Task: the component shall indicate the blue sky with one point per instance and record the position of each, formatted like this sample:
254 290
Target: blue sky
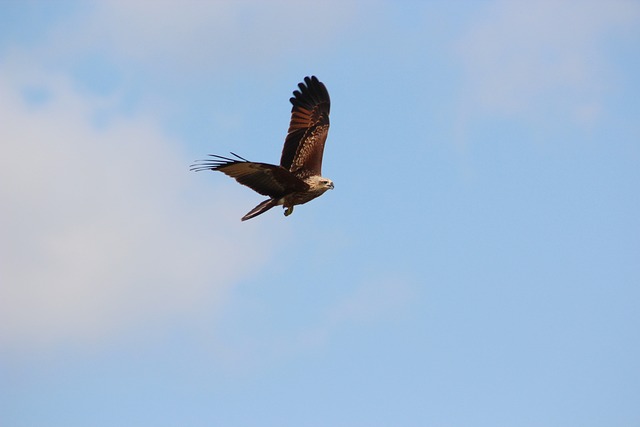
478 262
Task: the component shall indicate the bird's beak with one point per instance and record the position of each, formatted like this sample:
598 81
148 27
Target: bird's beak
331 186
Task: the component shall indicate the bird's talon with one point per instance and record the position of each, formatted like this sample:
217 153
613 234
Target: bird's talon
288 211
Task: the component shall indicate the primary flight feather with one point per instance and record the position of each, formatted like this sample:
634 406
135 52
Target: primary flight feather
298 179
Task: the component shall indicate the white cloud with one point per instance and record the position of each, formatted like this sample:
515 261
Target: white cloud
104 228
542 56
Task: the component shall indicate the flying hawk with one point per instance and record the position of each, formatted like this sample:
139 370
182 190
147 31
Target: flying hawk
298 179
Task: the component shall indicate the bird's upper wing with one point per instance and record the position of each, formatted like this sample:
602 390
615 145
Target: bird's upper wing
269 180
304 144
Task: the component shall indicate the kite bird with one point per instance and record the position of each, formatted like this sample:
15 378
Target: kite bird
298 179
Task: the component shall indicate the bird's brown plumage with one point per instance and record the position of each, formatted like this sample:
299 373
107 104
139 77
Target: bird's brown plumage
298 178
268 180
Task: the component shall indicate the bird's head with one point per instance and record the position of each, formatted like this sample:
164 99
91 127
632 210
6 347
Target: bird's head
319 183
327 183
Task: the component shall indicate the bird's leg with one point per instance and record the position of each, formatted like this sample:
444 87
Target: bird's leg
288 210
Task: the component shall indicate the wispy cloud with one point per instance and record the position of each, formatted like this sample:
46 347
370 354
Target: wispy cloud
374 301
198 38
547 56
102 229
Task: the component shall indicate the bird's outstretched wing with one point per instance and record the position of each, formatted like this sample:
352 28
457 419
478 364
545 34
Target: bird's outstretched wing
304 144
268 180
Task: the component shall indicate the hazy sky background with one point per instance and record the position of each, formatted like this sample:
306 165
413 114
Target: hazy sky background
478 263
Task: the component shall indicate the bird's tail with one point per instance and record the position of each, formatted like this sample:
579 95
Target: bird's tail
261 208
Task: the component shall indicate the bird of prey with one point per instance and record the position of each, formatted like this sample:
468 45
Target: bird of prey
298 178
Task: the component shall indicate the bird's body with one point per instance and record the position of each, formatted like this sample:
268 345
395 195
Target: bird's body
297 180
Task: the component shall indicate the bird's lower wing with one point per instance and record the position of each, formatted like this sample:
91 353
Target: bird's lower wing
269 180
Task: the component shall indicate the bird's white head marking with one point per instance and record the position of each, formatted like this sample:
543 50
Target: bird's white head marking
319 183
